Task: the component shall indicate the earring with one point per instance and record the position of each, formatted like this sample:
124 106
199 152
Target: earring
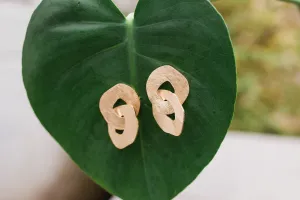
165 102
122 117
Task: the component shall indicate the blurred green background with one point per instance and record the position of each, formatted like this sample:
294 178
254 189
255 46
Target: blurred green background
266 38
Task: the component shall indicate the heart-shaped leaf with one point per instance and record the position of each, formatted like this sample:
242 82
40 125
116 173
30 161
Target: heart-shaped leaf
75 50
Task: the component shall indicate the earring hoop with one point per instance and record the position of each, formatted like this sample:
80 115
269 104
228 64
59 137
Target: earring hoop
168 125
122 117
165 102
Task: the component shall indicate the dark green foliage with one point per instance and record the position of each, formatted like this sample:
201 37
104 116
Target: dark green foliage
76 50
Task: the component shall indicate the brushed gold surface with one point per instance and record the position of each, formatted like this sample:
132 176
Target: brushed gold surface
165 102
161 75
122 117
111 96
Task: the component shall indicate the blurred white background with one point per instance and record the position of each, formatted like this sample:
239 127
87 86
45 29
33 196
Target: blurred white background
247 167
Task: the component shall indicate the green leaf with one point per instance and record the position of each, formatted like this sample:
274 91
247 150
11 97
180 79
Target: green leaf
74 51
292 1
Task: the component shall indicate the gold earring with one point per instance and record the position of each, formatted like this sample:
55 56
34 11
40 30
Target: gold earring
122 117
165 102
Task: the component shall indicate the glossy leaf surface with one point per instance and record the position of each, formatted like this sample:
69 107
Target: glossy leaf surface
74 51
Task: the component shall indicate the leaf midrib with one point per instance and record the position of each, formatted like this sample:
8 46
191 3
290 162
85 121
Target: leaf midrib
131 50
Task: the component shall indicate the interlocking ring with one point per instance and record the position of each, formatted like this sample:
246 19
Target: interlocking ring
122 117
165 102
157 78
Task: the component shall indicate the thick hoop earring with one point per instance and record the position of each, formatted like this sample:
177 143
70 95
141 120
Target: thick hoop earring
122 117
165 102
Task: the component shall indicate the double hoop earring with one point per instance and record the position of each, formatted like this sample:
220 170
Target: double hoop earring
122 117
165 102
